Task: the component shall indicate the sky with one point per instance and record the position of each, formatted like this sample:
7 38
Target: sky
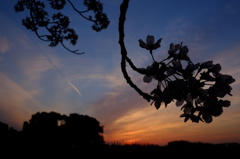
35 77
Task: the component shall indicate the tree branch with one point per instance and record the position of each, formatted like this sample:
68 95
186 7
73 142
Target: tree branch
122 18
72 51
79 12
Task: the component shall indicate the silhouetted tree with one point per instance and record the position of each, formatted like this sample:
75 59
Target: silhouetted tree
9 138
3 128
55 130
14 144
83 129
199 88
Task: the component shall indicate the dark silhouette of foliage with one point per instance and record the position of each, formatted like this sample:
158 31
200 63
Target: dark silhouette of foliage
9 138
55 28
198 88
72 130
5 129
86 127
30 142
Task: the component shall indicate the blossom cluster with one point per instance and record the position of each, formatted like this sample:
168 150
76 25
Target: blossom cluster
198 88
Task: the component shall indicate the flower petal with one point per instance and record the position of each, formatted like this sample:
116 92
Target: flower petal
142 44
171 47
157 44
227 79
159 41
150 40
206 64
215 69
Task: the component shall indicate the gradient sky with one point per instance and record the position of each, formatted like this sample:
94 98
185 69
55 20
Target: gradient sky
35 77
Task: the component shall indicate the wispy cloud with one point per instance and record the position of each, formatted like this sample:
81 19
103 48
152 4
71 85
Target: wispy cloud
5 45
17 104
229 60
36 72
128 117
229 57
38 78
35 66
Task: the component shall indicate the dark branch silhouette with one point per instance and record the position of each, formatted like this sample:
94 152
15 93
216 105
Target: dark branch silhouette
55 29
123 10
197 88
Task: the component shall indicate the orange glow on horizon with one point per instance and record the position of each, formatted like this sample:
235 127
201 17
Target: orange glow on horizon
149 126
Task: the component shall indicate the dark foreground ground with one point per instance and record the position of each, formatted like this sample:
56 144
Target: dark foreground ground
175 149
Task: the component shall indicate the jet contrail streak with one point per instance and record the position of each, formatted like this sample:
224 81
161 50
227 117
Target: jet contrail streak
74 87
61 74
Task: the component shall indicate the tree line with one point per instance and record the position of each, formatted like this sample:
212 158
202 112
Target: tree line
56 135
52 132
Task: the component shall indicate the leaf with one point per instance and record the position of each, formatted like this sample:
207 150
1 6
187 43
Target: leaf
215 69
226 79
207 118
179 102
147 79
170 71
224 103
183 115
206 64
167 95
186 119
157 104
194 118
187 110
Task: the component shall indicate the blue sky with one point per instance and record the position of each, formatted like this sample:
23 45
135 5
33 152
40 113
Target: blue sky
35 77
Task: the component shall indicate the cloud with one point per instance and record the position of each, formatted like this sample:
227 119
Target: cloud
139 122
124 114
31 73
17 104
5 45
229 61
34 63
127 117
229 57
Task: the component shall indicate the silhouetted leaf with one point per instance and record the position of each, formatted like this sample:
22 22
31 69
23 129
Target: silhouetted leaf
179 102
207 118
147 79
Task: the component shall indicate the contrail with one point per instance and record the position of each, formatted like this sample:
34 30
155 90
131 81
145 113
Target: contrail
74 87
61 74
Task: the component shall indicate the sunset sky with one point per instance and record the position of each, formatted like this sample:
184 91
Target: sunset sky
35 77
